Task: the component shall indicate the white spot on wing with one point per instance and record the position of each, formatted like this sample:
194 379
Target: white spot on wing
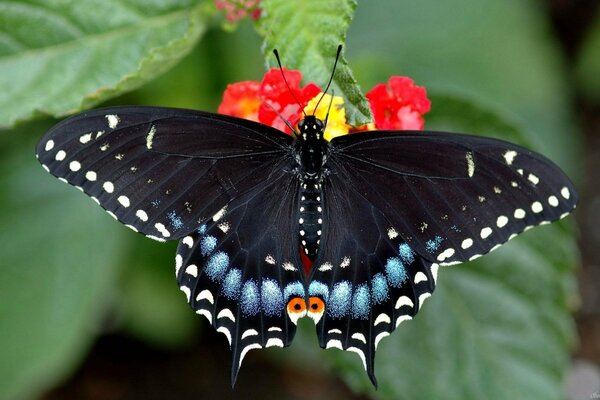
382 318
249 332
564 192
60 155
345 262
141 214
334 344
537 207
178 263
449 252
192 270
470 164
226 313
224 226
553 201
359 336
74 166
188 240
274 342
420 277
468 242
533 179
124 200
49 145
205 294
91 176
150 137
186 290
402 319
85 138
326 266
288 266
379 337
108 187
162 229
519 213
501 221
509 156
423 297
404 301
225 332
270 260
219 214
113 120
392 233
360 353
332 331
485 232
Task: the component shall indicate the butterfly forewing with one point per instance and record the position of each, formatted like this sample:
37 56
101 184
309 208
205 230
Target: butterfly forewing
453 197
161 171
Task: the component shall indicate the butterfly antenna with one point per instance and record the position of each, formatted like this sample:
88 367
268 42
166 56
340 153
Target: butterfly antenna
286 82
337 57
329 108
285 121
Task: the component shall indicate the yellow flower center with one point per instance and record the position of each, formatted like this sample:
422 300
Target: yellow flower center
336 122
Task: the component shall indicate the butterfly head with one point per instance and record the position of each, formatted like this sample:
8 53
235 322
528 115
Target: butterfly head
311 128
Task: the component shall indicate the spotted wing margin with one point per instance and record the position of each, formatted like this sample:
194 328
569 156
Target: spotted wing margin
369 280
241 270
452 197
162 171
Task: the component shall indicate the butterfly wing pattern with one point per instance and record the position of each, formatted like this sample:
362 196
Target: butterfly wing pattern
395 207
401 204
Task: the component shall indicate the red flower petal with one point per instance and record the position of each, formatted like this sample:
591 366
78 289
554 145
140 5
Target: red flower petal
400 105
241 100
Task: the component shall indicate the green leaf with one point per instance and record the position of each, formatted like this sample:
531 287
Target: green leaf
307 34
58 269
499 52
588 63
499 327
59 57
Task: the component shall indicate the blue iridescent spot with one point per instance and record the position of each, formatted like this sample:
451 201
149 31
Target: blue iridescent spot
202 229
217 265
320 289
271 298
395 271
155 203
455 228
361 301
207 245
380 289
176 221
432 245
340 299
406 253
232 284
250 302
294 289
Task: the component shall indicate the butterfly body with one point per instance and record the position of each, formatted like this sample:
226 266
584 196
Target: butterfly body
379 213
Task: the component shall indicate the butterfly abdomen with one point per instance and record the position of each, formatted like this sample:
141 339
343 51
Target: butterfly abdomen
311 215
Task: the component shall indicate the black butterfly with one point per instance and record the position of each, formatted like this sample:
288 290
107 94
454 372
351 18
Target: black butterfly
377 212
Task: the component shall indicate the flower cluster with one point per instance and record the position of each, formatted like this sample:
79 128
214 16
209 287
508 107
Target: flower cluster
236 10
399 105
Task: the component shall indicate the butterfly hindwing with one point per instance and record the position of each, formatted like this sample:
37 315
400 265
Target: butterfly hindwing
161 171
368 277
242 269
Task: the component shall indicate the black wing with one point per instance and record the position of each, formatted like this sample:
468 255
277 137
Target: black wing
242 269
399 205
162 171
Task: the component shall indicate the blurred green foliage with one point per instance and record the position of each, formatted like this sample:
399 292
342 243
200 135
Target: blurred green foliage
497 328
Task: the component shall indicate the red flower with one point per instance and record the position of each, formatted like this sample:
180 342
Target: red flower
241 100
400 105
262 101
277 98
238 9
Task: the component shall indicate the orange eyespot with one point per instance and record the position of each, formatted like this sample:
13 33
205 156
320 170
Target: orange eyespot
297 305
316 305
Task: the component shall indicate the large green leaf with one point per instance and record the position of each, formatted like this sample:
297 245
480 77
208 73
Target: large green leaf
498 52
499 327
58 57
307 34
58 264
